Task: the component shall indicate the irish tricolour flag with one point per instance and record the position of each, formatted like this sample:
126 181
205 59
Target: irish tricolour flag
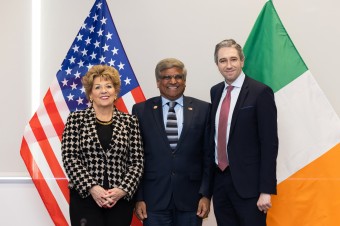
308 164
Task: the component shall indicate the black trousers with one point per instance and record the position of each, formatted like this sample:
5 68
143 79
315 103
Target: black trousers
230 208
86 212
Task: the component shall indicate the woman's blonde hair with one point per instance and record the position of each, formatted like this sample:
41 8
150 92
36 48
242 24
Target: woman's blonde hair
104 71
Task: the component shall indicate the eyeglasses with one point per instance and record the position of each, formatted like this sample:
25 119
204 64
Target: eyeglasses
169 77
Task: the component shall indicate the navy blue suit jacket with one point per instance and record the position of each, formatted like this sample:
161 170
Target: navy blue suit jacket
253 141
185 174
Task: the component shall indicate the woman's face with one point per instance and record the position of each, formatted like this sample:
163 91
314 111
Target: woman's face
103 93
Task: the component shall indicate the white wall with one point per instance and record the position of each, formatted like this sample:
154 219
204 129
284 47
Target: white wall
21 205
149 30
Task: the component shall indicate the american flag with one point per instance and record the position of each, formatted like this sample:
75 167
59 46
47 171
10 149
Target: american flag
97 42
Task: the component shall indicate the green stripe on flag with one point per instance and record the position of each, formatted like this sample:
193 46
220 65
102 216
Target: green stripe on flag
270 55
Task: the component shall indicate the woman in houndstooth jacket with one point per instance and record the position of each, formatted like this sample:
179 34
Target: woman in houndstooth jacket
102 154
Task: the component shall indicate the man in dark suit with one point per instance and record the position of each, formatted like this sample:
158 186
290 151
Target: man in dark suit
176 186
244 124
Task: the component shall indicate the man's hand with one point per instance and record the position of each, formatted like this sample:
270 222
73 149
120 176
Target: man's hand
264 202
203 207
140 210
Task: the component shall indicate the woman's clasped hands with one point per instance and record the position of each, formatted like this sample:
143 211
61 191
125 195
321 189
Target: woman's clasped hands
106 198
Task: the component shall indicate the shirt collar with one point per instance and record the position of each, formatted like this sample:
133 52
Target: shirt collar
238 82
179 101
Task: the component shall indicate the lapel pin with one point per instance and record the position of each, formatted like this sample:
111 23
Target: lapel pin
189 108
155 107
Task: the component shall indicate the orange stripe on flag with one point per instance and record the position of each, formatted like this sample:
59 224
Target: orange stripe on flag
53 113
42 187
311 196
50 157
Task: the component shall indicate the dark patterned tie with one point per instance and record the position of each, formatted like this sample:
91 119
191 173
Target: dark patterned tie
171 126
222 131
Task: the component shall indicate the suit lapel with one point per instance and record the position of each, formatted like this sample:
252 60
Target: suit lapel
156 109
90 124
188 115
241 98
117 129
217 98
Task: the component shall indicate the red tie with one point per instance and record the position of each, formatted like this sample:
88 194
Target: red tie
222 131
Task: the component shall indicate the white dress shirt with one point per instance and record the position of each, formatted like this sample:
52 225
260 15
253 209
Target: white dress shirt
234 96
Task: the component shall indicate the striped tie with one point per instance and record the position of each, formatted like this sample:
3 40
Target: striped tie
171 126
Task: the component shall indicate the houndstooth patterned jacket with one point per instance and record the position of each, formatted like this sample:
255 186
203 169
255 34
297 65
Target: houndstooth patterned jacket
83 157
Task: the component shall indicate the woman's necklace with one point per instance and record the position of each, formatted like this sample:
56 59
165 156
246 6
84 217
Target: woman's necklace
105 123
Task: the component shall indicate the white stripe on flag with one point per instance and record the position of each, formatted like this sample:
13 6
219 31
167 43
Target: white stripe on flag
42 164
129 101
59 100
56 147
29 135
45 122
307 129
53 138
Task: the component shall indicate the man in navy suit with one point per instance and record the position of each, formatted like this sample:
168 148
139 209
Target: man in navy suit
177 182
243 186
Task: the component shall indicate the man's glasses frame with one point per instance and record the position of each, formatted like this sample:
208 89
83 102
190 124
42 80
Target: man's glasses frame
169 77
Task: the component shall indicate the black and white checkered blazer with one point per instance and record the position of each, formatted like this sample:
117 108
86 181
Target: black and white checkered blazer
83 156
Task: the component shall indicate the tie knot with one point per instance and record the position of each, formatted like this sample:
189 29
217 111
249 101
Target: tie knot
172 104
230 88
